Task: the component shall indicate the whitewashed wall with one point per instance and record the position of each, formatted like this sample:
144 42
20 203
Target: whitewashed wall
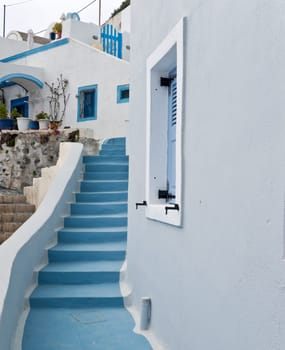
81 31
83 65
10 47
218 282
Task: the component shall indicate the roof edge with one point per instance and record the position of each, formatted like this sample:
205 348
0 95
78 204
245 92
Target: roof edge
36 50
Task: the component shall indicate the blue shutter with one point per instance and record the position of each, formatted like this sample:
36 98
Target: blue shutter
171 154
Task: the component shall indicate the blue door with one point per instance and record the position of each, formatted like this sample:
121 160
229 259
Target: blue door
171 154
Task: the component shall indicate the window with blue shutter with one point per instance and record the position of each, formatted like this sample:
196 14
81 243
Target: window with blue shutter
123 93
164 102
171 142
87 103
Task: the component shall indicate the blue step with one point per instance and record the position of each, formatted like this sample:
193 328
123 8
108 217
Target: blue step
81 272
82 276
98 208
77 295
100 175
111 151
82 328
92 197
103 186
88 252
105 159
92 221
118 149
113 167
115 141
92 235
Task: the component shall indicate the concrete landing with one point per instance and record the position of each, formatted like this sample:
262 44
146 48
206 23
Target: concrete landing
82 329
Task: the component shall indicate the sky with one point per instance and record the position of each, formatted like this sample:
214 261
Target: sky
37 15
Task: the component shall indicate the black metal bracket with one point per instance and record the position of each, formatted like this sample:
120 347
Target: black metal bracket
143 203
164 194
165 81
175 207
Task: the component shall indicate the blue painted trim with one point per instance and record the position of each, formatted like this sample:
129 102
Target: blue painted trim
36 50
120 89
111 40
73 15
6 84
84 88
12 76
22 105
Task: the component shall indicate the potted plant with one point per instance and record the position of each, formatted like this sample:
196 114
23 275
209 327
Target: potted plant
58 99
57 28
43 119
5 122
34 125
22 122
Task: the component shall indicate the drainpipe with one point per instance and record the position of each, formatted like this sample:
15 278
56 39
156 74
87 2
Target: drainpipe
99 13
4 21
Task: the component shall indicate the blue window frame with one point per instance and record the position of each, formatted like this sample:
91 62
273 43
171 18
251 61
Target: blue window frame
123 93
87 103
22 105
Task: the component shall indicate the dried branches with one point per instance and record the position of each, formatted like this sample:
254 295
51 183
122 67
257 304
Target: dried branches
58 98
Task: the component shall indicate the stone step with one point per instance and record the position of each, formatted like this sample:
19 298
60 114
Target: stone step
12 198
4 236
9 226
14 217
16 208
14 211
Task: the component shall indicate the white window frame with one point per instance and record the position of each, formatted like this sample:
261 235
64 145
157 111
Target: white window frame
168 55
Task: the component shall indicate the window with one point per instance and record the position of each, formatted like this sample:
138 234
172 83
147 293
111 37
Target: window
123 93
87 103
164 129
22 105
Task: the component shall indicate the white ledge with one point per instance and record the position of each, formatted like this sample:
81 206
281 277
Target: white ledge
25 249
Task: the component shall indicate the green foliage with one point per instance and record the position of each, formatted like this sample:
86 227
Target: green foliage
123 5
42 115
16 114
3 111
74 136
57 27
9 139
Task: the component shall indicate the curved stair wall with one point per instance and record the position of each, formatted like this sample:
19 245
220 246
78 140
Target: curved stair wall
25 250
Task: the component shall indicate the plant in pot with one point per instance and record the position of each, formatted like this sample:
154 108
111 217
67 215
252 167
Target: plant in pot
58 98
43 119
57 28
22 122
5 122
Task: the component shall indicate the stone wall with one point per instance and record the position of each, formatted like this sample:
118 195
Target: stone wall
24 154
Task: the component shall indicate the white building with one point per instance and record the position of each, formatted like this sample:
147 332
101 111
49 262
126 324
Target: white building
213 264
98 82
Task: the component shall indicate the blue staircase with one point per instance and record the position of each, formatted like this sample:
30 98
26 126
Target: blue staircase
78 304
